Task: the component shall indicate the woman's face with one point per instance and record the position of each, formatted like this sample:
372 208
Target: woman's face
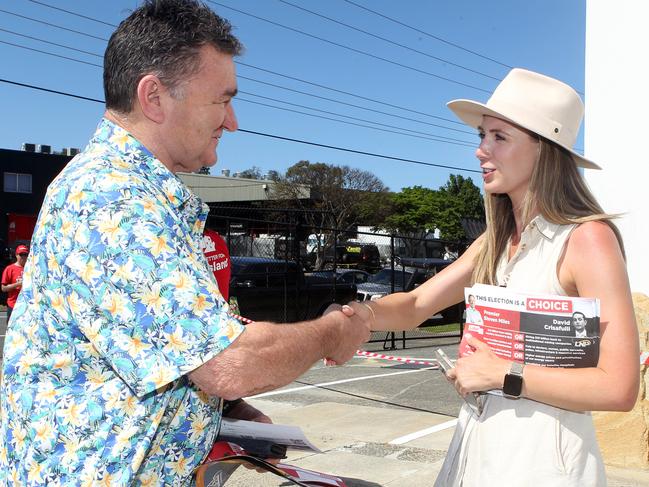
507 156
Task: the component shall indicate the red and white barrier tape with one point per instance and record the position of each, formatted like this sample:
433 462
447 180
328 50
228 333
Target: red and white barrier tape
406 360
245 321
644 358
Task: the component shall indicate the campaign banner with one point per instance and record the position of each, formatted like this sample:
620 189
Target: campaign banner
540 329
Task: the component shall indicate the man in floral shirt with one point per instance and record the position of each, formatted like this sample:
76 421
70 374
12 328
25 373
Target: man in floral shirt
121 347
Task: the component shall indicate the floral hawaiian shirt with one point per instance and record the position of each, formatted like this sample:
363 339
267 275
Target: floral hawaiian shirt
117 306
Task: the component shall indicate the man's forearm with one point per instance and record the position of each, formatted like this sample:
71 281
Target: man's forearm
267 356
264 357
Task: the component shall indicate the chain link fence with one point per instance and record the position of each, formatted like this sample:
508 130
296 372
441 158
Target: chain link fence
285 270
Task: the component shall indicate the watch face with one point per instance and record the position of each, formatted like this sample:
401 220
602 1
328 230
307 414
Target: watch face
513 385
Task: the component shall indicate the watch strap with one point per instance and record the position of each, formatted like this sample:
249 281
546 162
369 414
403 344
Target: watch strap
516 368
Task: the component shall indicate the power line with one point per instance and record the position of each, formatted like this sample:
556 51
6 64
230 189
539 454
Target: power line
427 34
355 106
358 51
354 151
53 25
56 92
427 136
462 143
382 102
73 13
279 137
350 94
390 41
51 54
51 43
433 36
273 99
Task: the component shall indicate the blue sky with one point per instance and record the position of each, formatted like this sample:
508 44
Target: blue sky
542 35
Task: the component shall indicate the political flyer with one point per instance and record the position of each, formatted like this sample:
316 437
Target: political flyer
539 329
225 457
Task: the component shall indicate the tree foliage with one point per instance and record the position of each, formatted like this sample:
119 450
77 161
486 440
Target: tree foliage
338 195
335 191
417 210
462 200
252 173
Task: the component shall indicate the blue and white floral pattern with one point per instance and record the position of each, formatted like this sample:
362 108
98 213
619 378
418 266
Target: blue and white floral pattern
117 306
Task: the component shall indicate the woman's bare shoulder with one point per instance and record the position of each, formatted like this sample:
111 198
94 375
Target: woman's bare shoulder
594 236
593 254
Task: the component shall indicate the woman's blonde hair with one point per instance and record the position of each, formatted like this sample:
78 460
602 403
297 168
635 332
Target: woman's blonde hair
557 192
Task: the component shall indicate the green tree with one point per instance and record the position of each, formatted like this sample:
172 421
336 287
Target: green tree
416 211
461 199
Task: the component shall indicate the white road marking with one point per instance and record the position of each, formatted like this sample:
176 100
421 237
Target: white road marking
323 384
428 431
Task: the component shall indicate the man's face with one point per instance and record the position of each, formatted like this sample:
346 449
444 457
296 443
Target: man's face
21 259
195 120
579 322
472 301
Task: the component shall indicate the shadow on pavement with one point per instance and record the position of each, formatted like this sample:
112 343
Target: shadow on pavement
359 483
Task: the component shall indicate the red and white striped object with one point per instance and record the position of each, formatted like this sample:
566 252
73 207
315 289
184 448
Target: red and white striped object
405 360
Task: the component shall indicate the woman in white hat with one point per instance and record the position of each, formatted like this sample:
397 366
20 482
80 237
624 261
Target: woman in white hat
546 233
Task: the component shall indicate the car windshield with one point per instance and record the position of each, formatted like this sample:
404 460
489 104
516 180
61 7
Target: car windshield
384 276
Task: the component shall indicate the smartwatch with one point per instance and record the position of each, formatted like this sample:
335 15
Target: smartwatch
513 385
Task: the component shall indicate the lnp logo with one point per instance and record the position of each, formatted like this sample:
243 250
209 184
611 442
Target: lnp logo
586 342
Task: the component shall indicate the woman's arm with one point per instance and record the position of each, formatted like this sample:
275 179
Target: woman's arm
404 311
592 266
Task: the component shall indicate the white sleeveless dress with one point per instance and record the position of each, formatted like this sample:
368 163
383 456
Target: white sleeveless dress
520 442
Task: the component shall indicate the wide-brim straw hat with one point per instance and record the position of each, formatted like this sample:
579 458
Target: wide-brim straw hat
538 103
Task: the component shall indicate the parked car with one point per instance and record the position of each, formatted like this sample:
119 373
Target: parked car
407 275
350 255
277 290
345 276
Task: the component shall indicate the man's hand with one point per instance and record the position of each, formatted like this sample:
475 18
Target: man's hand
248 412
353 325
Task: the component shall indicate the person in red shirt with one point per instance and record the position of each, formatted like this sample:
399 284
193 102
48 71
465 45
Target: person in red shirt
12 278
218 258
217 255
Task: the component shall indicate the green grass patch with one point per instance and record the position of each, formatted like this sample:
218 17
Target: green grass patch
451 327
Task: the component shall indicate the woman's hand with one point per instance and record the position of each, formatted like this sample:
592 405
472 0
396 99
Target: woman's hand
482 370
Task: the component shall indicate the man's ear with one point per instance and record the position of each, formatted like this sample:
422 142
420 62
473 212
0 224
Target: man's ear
150 92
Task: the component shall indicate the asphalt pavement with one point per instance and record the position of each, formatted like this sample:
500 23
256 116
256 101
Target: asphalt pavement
378 422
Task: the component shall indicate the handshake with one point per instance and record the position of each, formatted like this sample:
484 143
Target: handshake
355 321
